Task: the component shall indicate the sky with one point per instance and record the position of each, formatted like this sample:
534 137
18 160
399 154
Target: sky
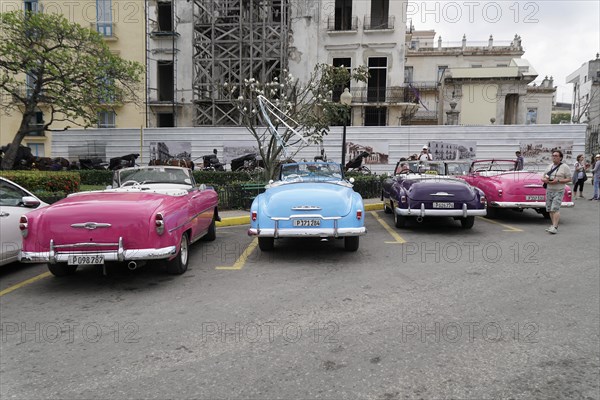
558 36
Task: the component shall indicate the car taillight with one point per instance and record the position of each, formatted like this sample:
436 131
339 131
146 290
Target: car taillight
160 223
403 199
483 200
24 226
254 216
499 192
358 214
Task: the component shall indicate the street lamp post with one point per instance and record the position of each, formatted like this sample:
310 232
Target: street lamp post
345 100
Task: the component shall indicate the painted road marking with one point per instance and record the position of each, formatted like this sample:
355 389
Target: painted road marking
392 232
24 283
510 228
241 261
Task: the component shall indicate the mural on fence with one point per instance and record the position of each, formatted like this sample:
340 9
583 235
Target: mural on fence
378 154
536 152
454 150
165 151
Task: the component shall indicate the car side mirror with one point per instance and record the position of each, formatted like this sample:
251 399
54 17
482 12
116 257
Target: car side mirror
270 181
30 201
351 180
202 187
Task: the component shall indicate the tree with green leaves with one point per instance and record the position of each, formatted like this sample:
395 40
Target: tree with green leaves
285 115
49 63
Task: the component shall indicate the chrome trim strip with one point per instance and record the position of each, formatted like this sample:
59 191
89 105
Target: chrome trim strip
527 204
304 216
442 194
314 232
306 208
422 212
190 219
91 225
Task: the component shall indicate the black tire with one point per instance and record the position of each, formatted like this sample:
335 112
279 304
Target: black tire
386 209
399 220
491 212
467 223
351 243
545 214
212 232
179 264
266 243
62 269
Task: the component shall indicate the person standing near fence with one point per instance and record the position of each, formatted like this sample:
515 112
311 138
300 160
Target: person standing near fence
520 161
579 176
555 177
596 178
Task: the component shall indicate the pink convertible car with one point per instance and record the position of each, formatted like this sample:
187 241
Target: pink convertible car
150 213
506 188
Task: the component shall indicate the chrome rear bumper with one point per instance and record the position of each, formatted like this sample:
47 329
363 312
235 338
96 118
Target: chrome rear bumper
61 253
439 212
527 204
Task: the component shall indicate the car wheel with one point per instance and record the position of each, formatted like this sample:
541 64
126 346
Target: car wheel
179 264
545 214
467 223
212 232
491 212
266 243
351 243
399 220
386 209
62 269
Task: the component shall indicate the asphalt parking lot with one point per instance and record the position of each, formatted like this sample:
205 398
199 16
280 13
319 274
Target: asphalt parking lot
504 310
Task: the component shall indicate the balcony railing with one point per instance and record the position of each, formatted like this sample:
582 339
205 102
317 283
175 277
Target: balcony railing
390 94
378 23
342 24
423 85
104 28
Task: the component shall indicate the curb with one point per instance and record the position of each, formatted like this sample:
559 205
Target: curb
245 219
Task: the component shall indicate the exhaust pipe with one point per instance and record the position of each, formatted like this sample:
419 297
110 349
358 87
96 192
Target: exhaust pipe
132 265
419 219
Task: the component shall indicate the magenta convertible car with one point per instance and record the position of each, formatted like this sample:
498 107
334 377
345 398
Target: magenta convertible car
150 213
506 188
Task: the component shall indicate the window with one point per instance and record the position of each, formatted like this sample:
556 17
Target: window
531 116
165 17
376 85
440 72
408 74
165 120
379 14
165 81
375 116
107 119
343 15
104 17
37 149
338 90
36 124
31 6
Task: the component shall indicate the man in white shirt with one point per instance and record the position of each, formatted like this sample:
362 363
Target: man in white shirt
555 177
425 155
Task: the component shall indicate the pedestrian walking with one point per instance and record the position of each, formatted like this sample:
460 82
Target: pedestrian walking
555 177
596 178
579 176
520 161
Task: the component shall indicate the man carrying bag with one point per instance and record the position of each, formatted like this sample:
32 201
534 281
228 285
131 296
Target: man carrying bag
555 177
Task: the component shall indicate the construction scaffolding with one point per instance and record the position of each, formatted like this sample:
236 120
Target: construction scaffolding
235 40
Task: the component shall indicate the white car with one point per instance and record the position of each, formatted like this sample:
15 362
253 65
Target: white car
14 202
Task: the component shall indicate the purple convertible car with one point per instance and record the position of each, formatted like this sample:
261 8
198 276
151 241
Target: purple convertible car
423 189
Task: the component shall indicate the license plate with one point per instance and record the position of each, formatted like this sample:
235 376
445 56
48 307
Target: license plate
442 205
307 222
534 197
85 260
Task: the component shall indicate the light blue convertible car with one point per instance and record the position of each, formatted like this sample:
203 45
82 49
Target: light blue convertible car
310 199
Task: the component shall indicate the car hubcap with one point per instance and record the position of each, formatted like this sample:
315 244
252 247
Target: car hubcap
184 251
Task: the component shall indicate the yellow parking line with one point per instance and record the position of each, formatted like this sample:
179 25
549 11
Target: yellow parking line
510 228
24 283
394 234
241 261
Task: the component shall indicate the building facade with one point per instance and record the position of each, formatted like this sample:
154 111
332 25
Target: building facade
586 92
121 23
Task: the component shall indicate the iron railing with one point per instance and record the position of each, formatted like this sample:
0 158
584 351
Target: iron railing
378 23
341 24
